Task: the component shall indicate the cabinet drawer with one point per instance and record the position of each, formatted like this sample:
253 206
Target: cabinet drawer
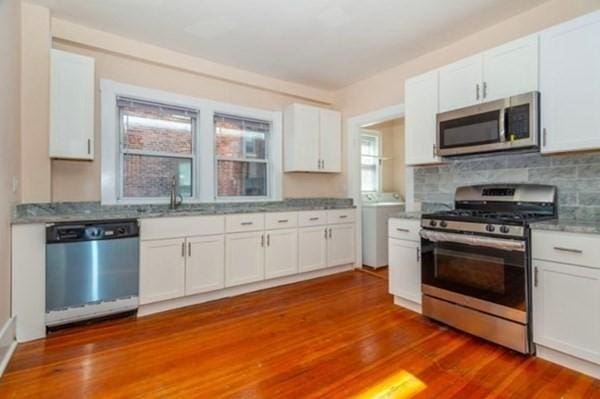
244 222
281 220
404 229
573 248
341 216
312 218
159 228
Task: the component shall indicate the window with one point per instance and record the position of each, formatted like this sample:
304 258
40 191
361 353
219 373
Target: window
370 159
212 151
241 153
157 147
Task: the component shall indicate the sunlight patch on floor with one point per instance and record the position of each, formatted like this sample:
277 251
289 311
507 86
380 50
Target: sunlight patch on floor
401 385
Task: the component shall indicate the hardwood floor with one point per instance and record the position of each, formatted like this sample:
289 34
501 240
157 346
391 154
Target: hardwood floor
334 337
382 272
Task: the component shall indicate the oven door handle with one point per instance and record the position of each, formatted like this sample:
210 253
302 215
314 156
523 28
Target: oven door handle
479 241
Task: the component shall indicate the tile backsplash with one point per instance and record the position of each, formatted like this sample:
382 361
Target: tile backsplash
577 177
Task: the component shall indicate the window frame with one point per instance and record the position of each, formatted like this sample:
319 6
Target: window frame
378 173
204 162
123 152
266 161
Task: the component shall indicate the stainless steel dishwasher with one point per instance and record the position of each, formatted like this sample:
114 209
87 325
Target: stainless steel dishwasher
92 270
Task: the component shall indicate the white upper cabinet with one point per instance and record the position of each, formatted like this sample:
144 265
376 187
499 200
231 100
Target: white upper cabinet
461 83
421 107
71 106
312 139
330 149
503 71
510 69
570 85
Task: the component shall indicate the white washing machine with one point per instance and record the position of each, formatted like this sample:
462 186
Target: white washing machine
376 210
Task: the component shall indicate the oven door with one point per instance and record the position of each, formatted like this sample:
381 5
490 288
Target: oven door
483 273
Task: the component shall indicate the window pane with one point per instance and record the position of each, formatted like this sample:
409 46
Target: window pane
149 176
237 178
369 145
240 138
150 127
369 178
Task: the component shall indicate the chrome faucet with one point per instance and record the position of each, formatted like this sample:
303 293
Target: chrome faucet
176 199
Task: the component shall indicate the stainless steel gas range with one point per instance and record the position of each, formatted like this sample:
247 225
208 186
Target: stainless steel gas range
476 261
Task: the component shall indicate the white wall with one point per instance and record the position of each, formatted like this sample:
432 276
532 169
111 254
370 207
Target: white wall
10 31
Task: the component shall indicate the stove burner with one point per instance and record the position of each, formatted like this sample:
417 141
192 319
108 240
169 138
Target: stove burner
499 216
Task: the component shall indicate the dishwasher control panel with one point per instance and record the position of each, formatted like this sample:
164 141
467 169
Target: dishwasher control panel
73 232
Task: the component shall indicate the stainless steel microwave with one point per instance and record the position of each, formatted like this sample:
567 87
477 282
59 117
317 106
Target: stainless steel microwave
500 125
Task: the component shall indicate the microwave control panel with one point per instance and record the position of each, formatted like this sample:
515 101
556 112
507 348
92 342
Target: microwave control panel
518 122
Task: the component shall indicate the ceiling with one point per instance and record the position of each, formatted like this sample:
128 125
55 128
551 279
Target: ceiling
322 43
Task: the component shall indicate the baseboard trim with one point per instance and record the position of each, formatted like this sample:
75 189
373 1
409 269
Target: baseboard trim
405 303
151 308
568 361
8 343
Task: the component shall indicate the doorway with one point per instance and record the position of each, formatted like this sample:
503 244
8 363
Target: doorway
382 183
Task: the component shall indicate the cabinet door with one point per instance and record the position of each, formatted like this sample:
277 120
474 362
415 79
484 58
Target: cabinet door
244 258
566 309
205 266
421 107
281 255
340 245
460 83
510 69
312 248
162 270
570 85
71 106
301 141
330 140
405 269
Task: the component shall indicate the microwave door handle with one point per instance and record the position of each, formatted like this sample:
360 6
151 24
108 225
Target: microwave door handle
502 125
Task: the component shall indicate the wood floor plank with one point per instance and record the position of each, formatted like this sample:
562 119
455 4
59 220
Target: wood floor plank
335 337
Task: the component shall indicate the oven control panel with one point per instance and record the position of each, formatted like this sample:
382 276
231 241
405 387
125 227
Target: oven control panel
471 227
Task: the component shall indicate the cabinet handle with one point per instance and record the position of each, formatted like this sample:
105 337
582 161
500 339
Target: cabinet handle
434 151
329 232
246 223
571 250
89 144
313 219
189 249
262 240
484 89
325 232
418 254
322 164
544 137
343 216
268 240
402 230
477 91
183 249
283 221
535 276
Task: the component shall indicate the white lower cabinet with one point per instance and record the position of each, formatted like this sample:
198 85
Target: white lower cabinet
404 254
244 258
205 264
340 244
566 309
281 253
162 270
312 245
405 269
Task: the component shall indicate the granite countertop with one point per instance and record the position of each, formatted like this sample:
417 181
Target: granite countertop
407 215
87 211
568 225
